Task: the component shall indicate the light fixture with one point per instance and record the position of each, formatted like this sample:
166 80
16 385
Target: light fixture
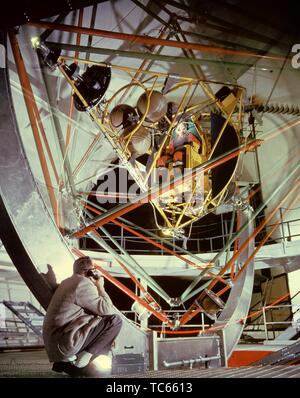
35 42
92 85
49 56
211 304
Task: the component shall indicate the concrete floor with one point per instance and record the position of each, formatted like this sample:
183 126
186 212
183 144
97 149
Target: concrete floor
35 364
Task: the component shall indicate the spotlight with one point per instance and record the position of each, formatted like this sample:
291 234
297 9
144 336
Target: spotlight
211 304
92 85
49 56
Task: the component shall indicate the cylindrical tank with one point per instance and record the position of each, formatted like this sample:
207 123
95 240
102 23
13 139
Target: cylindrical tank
123 116
157 107
140 141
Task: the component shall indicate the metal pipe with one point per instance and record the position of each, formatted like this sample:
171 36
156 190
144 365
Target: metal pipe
149 40
230 232
43 133
33 111
71 108
173 25
151 13
157 190
263 241
185 295
201 37
274 227
190 362
142 67
221 24
146 55
92 24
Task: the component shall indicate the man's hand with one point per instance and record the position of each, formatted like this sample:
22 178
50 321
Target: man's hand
99 283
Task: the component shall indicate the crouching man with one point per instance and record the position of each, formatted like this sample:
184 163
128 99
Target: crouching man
80 323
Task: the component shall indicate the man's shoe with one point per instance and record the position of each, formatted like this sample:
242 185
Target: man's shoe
68 368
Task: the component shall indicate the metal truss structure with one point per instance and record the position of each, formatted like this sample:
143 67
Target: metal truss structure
195 100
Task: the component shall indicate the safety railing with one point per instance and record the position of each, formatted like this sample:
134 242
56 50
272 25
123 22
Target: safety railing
275 324
162 330
14 332
270 328
136 245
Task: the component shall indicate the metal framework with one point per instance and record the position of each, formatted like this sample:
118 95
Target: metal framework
195 96
175 215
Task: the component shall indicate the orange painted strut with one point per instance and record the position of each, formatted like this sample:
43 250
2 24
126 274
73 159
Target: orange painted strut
279 300
150 40
266 237
194 309
71 109
43 134
32 111
147 295
192 331
127 291
159 191
133 278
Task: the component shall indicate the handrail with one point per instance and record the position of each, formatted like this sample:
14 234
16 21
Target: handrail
265 323
222 237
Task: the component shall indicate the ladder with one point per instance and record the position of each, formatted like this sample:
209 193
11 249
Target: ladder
27 313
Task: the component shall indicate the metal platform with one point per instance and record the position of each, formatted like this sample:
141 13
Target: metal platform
34 364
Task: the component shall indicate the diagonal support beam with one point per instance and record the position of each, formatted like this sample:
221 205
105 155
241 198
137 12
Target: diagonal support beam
149 40
185 296
146 233
154 243
33 112
194 309
150 56
128 261
264 240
